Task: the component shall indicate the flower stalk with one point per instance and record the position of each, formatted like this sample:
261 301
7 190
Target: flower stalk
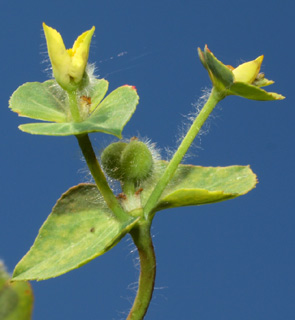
99 177
213 99
74 107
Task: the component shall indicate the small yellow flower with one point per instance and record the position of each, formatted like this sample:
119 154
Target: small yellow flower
248 71
244 81
68 65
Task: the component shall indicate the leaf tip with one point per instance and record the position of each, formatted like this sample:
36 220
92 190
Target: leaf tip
131 87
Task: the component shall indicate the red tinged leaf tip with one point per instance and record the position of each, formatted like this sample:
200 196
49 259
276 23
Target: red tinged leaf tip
206 48
132 87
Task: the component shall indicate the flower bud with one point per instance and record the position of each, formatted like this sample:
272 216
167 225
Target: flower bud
68 65
136 161
111 159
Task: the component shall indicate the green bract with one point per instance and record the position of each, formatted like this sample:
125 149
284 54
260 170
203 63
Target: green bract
79 228
244 81
195 185
48 102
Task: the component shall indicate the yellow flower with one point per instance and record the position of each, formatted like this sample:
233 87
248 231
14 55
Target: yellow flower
248 71
244 81
68 65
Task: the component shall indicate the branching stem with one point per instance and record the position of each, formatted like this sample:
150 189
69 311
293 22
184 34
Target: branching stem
141 232
213 99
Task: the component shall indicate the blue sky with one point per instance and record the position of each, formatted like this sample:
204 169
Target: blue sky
230 260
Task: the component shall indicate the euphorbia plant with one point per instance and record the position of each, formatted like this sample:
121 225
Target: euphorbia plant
81 226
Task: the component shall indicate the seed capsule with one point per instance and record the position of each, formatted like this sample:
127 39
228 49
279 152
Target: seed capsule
111 159
136 161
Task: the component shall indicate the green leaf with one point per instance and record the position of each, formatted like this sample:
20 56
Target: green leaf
97 92
195 185
79 229
219 71
110 116
249 91
16 298
42 101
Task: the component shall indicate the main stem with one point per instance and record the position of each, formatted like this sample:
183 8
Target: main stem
213 99
99 177
143 241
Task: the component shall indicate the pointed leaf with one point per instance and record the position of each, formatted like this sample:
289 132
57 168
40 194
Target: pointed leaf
42 101
195 185
16 298
251 92
79 229
110 116
221 72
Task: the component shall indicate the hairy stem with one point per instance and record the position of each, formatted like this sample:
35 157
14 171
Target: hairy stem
99 177
128 187
213 99
74 108
143 241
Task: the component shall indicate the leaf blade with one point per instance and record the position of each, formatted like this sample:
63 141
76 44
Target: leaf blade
195 185
41 101
249 91
109 117
79 229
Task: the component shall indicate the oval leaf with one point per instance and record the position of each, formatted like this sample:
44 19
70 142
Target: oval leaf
195 185
79 229
41 101
16 298
110 116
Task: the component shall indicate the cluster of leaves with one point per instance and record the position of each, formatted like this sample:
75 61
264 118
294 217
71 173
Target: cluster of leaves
48 102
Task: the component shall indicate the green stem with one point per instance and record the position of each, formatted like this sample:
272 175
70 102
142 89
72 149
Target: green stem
128 187
99 177
213 99
143 241
74 108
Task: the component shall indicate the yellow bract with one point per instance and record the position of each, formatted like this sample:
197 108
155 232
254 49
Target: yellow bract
68 65
248 71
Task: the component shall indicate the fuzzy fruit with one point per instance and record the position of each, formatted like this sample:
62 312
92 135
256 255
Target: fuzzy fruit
111 159
136 161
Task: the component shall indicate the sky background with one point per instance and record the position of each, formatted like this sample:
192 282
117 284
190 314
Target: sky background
226 261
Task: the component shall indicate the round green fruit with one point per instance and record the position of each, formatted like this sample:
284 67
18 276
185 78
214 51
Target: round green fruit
111 159
136 161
